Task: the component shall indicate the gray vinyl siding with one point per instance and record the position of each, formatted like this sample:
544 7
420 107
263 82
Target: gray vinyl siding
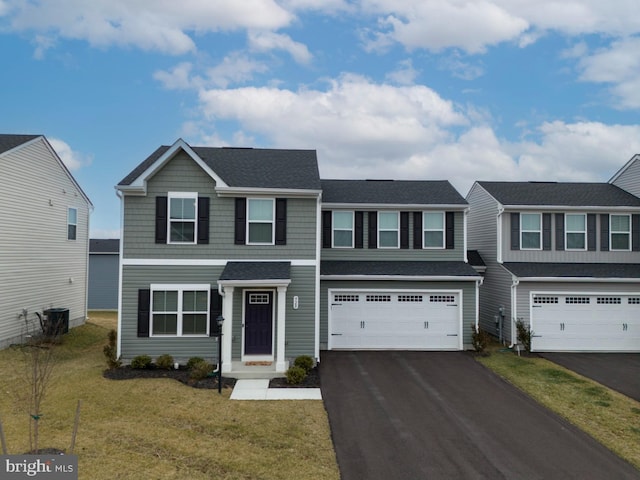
584 288
468 298
39 267
399 254
182 174
630 179
568 256
103 281
300 323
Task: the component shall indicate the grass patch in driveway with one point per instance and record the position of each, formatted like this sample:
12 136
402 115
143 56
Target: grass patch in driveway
608 416
160 428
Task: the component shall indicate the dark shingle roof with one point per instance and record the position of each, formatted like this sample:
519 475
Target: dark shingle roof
397 268
251 167
99 245
409 192
573 270
560 194
7 142
256 271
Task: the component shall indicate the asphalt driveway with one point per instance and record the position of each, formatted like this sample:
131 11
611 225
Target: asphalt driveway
431 415
618 371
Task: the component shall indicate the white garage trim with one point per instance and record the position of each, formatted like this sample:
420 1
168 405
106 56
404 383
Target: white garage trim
458 294
580 326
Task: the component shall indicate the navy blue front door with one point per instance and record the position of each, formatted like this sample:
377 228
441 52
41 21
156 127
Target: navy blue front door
258 323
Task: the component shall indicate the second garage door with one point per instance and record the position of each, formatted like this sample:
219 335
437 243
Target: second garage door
401 320
565 322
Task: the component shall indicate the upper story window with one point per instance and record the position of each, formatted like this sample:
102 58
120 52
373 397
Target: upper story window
576 231
620 231
388 229
342 229
433 230
72 223
180 310
530 231
260 215
182 217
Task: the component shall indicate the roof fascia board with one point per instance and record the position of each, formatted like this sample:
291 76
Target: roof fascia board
257 283
624 168
579 279
225 191
140 183
396 206
419 278
582 208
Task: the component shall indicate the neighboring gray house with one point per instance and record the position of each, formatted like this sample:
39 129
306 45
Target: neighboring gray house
562 257
44 236
293 264
104 261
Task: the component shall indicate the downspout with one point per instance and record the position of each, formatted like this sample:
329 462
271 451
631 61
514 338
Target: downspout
120 195
499 234
317 286
466 213
514 308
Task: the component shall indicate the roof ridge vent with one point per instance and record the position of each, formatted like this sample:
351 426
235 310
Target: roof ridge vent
238 148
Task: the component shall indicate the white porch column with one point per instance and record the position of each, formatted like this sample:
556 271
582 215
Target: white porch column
227 329
282 306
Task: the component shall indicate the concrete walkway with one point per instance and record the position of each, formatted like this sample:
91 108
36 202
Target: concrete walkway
245 389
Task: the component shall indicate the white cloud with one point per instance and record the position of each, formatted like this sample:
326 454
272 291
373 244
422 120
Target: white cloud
235 68
267 41
73 160
405 74
178 78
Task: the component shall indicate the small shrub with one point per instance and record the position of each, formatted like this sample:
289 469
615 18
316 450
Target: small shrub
305 362
200 370
479 339
141 362
193 361
164 362
524 334
111 350
295 375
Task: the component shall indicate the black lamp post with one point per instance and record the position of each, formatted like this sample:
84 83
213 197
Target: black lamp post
220 321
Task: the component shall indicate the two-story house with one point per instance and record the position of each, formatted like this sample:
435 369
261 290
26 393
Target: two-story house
564 258
44 238
292 263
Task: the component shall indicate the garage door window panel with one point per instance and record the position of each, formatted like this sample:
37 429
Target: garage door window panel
530 231
433 229
576 232
388 229
342 229
620 231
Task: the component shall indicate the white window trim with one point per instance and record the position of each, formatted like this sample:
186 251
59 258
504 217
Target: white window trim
180 288
567 232
628 232
531 231
272 221
69 223
389 230
194 196
333 229
425 229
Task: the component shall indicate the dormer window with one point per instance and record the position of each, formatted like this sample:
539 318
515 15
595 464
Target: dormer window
182 217
530 231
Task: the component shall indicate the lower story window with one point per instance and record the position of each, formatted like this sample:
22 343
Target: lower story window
180 310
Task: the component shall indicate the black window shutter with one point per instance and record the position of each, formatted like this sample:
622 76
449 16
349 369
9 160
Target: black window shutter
144 308
559 231
203 220
161 219
359 230
215 309
326 229
546 231
604 232
450 229
241 221
591 232
417 230
281 221
373 229
404 229
635 232
515 231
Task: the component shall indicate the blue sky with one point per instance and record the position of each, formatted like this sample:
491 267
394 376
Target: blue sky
429 89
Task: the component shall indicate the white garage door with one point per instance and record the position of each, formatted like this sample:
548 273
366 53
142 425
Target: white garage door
398 320
589 323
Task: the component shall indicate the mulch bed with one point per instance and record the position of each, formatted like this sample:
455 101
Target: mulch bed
312 379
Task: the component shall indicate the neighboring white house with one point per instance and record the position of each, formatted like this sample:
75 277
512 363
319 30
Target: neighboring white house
44 237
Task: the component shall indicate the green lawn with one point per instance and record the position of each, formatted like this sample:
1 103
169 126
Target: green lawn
608 416
160 428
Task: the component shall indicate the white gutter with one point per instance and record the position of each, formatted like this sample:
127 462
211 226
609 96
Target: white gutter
395 206
563 208
317 275
286 192
579 279
499 234
404 278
